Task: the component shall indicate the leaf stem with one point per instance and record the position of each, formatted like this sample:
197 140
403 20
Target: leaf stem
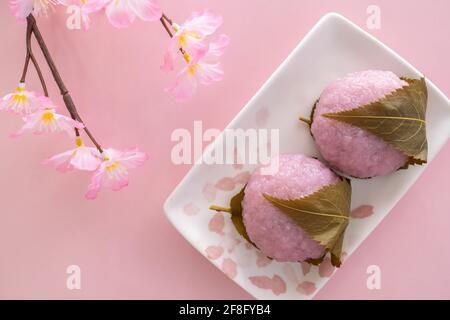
70 105
306 120
220 209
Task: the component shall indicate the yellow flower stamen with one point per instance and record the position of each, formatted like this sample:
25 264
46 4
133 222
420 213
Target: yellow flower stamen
193 34
183 38
113 166
79 142
192 69
20 98
48 116
187 57
182 41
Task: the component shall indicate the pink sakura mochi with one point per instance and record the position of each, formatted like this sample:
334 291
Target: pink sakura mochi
272 231
349 149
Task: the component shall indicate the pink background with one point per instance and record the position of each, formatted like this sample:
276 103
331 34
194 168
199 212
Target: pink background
123 243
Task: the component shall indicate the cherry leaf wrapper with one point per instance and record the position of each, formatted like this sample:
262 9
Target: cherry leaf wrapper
323 215
398 119
236 214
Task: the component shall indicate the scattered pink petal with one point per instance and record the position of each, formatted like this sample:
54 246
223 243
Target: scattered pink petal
209 192
306 287
306 267
229 267
225 184
191 209
262 115
276 283
234 243
289 272
242 178
214 252
217 223
326 269
262 282
262 260
363 211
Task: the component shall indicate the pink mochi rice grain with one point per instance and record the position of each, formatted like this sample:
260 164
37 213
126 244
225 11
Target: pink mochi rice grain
349 149
273 232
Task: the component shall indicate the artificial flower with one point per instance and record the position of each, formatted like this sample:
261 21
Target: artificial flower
81 158
21 101
21 9
113 171
122 13
203 68
47 120
190 34
86 8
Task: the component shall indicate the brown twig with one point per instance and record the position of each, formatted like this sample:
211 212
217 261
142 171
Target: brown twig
166 27
30 56
164 19
167 19
27 58
68 101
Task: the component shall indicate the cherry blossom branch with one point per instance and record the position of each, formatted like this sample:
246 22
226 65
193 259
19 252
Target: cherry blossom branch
164 20
30 56
165 25
68 101
167 19
27 58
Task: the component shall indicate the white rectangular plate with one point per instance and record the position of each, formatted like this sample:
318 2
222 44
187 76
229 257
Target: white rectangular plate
333 48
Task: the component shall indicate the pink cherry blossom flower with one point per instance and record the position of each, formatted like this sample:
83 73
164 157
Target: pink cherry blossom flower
21 101
203 68
190 35
47 120
113 171
87 7
122 13
21 9
81 158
